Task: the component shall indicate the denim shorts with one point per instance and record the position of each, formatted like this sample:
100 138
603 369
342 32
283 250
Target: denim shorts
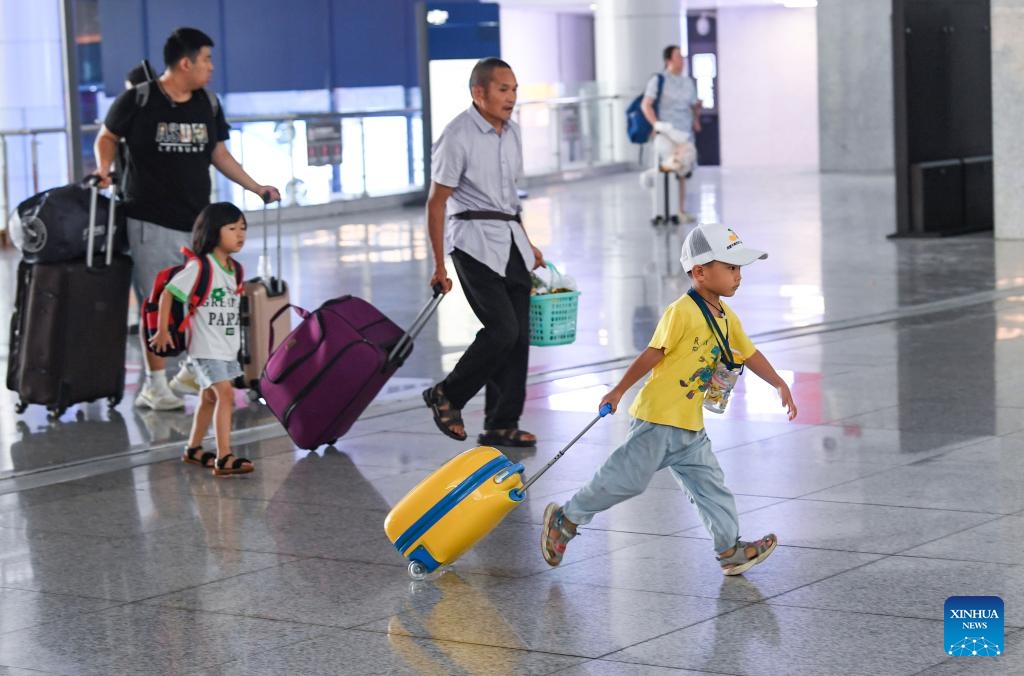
210 371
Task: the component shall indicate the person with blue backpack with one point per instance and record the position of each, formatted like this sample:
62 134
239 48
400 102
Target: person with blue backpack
670 103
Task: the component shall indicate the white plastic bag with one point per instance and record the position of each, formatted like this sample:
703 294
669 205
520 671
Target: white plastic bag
549 280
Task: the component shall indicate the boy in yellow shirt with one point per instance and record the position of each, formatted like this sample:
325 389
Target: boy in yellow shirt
668 420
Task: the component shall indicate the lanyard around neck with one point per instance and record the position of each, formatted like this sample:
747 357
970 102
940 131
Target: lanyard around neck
716 330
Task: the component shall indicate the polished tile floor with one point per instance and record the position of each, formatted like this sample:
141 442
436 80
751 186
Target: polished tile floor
901 482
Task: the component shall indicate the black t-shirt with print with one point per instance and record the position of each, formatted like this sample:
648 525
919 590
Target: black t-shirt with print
170 148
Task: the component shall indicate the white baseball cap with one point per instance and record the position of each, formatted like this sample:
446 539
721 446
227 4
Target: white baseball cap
714 242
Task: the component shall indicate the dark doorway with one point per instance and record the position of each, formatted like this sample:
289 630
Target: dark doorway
942 69
702 37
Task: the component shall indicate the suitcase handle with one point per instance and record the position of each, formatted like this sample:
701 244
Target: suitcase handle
403 347
518 494
284 308
93 181
274 284
504 474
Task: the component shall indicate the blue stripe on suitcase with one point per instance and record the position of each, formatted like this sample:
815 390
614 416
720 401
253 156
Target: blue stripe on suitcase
448 502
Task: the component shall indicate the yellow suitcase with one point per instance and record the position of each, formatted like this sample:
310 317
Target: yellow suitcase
460 503
453 508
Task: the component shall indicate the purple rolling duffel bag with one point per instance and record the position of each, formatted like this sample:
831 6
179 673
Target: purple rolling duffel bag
332 365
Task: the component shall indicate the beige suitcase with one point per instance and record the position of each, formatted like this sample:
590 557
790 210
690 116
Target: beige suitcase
262 297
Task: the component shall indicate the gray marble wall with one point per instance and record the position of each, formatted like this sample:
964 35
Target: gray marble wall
1007 113
855 99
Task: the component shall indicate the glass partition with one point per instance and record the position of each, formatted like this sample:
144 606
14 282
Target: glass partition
380 151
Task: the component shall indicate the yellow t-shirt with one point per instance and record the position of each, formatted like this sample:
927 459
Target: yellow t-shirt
674 392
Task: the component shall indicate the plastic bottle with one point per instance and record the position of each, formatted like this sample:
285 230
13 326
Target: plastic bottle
723 379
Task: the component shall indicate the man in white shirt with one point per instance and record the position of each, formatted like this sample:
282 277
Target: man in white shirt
475 165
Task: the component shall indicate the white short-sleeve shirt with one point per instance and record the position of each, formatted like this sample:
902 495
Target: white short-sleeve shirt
216 332
483 167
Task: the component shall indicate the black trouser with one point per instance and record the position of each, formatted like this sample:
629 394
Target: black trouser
500 352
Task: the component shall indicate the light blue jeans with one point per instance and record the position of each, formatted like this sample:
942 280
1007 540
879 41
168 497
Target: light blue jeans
212 371
649 448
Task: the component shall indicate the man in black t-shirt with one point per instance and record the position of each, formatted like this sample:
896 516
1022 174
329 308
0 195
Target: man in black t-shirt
174 131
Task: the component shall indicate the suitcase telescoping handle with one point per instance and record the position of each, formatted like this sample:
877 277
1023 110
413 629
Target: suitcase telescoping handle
404 345
518 493
401 349
94 184
264 268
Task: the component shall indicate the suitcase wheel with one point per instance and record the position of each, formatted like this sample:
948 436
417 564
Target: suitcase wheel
20 407
253 394
657 220
56 413
113 401
417 570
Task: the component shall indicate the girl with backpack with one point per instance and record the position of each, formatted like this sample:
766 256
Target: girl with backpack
214 333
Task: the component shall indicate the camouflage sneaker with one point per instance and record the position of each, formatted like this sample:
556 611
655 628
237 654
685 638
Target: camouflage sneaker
556 535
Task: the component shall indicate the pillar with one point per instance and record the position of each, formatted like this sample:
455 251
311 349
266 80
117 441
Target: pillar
1007 111
855 98
628 39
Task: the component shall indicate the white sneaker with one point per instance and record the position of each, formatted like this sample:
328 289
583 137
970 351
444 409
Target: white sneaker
157 425
158 399
185 381
647 179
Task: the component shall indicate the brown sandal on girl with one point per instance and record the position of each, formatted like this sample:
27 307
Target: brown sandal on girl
237 466
192 457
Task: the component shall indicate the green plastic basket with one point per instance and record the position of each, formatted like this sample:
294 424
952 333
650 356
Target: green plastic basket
553 318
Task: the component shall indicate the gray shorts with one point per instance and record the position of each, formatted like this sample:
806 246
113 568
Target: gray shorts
153 248
210 371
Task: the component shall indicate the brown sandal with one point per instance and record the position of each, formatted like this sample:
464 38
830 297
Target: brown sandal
446 416
221 467
192 457
516 438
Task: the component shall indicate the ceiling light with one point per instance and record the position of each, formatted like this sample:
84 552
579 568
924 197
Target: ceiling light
437 17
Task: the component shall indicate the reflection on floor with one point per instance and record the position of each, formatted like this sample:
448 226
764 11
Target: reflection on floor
899 485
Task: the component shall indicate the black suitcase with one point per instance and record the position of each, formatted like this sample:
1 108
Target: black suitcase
69 329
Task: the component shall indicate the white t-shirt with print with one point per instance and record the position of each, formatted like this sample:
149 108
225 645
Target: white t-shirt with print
216 328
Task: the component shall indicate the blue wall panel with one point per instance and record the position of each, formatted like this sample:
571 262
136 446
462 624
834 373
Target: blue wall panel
137 29
277 45
122 24
470 32
375 43
272 45
163 17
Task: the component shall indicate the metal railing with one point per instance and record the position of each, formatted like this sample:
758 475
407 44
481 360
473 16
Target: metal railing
33 140
382 150
568 133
